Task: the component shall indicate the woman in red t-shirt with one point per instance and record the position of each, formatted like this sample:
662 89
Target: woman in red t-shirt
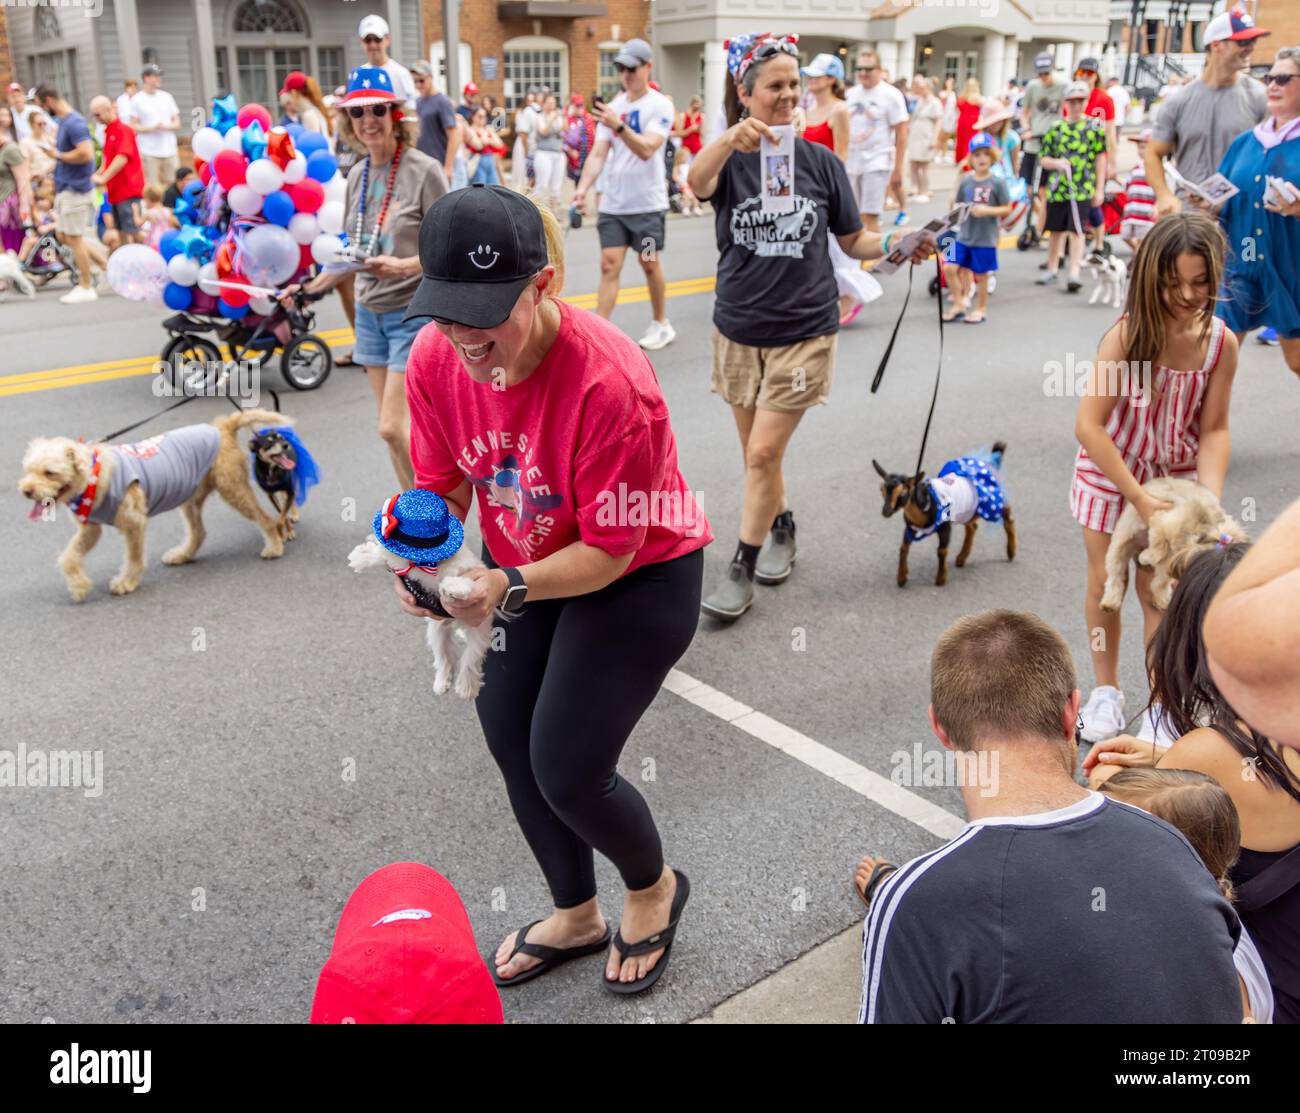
555 419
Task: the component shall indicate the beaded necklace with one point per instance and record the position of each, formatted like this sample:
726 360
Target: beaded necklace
383 209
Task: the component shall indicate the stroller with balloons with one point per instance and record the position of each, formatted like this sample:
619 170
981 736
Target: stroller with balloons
266 208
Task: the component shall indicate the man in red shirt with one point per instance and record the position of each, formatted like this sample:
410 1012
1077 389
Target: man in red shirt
1100 106
121 174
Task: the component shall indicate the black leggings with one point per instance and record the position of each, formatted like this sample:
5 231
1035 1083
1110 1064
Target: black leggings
558 704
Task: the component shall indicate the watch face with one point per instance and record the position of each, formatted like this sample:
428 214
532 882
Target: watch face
515 597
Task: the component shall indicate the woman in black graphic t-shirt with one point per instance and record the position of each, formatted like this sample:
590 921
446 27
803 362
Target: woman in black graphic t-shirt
776 311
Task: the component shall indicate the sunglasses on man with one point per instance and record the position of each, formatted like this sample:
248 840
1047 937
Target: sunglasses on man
620 68
1281 80
372 39
866 69
378 111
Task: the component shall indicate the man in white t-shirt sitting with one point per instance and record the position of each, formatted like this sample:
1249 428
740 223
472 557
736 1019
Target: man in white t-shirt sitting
631 133
155 119
877 138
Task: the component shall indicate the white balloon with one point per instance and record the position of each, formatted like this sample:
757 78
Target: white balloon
183 270
325 248
205 143
264 176
261 305
208 279
234 138
303 227
330 216
269 255
336 189
296 169
244 200
137 272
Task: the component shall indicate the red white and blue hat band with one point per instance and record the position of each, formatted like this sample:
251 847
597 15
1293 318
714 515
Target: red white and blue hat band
369 85
417 526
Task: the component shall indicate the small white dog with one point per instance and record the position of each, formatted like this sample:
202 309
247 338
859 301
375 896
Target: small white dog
1111 275
433 584
11 274
1195 522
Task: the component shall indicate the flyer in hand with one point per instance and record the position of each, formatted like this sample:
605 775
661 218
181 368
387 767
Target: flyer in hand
901 252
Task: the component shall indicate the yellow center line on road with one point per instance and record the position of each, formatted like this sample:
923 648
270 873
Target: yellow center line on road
63 377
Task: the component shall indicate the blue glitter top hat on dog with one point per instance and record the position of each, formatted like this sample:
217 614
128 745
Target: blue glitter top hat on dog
417 526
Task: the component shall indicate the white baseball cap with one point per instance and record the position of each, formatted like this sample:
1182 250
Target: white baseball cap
1235 25
373 25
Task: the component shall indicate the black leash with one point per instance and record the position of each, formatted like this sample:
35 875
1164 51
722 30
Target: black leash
889 350
176 405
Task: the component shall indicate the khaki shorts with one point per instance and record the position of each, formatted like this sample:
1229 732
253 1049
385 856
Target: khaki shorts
788 379
160 171
74 212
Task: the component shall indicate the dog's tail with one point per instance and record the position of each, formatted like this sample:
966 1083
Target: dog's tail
999 448
244 418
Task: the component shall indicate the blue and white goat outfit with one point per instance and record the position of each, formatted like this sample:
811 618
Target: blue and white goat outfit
966 487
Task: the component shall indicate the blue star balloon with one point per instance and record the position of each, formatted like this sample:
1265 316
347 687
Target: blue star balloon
193 243
224 111
254 141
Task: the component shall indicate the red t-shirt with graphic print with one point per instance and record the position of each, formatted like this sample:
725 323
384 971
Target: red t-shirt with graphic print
581 450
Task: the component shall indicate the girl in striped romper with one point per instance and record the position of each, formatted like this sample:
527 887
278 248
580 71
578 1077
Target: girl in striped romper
1156 405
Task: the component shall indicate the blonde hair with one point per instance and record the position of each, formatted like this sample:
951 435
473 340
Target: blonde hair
1195 804
406 129
971 90
554 244
153 194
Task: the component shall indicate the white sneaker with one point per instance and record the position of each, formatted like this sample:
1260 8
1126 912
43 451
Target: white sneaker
1103 714
659 335
1160 734
921 198
79 294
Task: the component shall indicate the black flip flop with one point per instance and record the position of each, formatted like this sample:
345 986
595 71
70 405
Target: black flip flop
662 939
879 872
551 956
345 360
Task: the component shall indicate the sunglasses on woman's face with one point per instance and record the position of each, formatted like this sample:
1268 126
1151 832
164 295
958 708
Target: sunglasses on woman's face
1281 80
379 111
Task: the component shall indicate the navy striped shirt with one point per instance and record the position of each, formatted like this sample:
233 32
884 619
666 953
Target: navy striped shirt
1096 913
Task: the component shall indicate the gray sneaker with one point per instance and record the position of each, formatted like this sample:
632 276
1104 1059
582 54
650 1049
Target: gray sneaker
731 598
776 558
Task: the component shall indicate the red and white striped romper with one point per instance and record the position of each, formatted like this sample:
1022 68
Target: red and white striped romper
1156 438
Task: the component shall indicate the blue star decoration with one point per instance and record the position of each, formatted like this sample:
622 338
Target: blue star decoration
254 141
224 111
193 243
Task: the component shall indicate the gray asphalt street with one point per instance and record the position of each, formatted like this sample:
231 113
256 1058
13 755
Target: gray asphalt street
268 729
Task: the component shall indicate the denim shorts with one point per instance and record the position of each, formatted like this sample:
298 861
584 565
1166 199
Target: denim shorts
384 339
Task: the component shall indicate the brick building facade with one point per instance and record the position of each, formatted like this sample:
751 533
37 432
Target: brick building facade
6 59
508 49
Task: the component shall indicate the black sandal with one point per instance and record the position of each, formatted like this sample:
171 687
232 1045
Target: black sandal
879 872
661 939
551 956
345 359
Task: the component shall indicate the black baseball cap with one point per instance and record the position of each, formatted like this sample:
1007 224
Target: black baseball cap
479 247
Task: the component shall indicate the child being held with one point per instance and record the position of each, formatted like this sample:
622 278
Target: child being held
43 219
975 252
1198 806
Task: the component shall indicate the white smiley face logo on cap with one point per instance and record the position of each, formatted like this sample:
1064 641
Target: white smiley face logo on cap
482 252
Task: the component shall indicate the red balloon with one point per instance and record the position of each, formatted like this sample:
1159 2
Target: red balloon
251 112
229 167
234 296
305 260
199 164
308 195
205 174
279 147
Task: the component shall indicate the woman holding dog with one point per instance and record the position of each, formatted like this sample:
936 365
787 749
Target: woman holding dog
389 191
555 420
1156 405
776 310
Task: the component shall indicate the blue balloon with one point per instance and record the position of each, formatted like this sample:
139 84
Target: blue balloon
176 296
193 189
234 312
322 166
295 130
169 245
278 207
310 142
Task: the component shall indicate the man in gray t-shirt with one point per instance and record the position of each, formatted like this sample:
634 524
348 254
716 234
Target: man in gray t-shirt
1197 123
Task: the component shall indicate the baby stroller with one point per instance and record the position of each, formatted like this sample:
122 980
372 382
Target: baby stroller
305 362
49 258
